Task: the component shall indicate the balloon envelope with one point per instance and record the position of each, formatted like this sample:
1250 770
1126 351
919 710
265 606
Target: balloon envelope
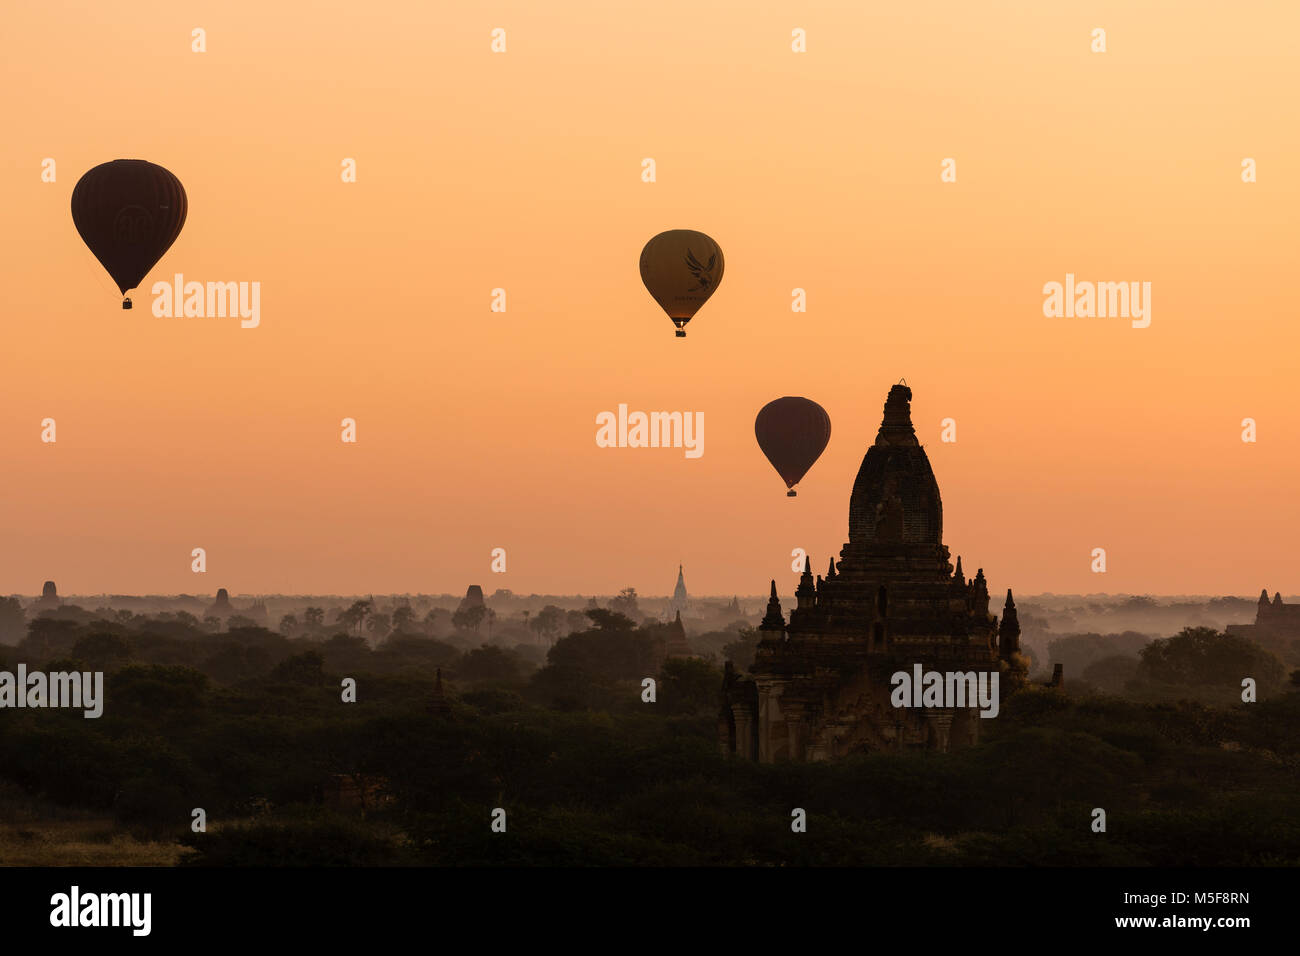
681 268
129 212
793 433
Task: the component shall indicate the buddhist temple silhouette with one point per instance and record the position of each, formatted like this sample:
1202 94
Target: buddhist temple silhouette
221 606
1277 624
473 598
819 687
49 599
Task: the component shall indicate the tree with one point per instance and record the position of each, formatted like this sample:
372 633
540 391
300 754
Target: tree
626 604
488 663
156 692
689 685
432 621
741 651
355 616
469 618
616 649
606 620
48 637
235 662
313 618
378 626
547 623
1201 656
1110 674
288 624
306 668
102 652
403 618
13 621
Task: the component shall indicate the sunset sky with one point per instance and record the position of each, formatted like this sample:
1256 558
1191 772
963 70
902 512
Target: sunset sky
522 170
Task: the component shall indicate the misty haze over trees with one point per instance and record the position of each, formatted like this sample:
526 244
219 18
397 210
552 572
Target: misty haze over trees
234 705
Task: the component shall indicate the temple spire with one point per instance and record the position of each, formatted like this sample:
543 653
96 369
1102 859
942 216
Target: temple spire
806 593
773 620
980 593
1009 629
896 426
680 598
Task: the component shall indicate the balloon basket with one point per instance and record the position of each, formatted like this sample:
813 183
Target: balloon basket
126 303
681 334
791 494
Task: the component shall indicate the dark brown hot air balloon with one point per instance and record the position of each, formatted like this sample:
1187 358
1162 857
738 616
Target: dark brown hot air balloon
129 212
681 268
793 433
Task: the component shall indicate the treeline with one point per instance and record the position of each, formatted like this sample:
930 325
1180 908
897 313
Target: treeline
1198 662
600 667
249 726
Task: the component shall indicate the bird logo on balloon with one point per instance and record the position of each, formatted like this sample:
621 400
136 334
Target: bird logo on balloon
701 272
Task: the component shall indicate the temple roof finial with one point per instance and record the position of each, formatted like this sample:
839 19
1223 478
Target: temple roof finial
896 425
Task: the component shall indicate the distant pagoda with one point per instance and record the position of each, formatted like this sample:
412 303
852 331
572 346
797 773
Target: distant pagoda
680 600
677 646
221 607
438 705
49 599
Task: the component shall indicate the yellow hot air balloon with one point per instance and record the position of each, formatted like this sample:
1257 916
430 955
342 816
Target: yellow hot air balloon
681 268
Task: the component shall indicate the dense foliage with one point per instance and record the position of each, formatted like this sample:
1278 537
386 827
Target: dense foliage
250 726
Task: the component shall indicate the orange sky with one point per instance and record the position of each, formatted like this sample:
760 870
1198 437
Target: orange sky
522 170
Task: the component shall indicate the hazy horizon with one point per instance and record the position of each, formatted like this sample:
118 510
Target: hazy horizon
488 593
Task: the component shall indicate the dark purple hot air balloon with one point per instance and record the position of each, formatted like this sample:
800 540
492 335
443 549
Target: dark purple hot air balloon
793 433
129 212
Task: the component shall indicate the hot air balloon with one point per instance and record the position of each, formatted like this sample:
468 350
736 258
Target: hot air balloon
681 268
128 212
793 433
